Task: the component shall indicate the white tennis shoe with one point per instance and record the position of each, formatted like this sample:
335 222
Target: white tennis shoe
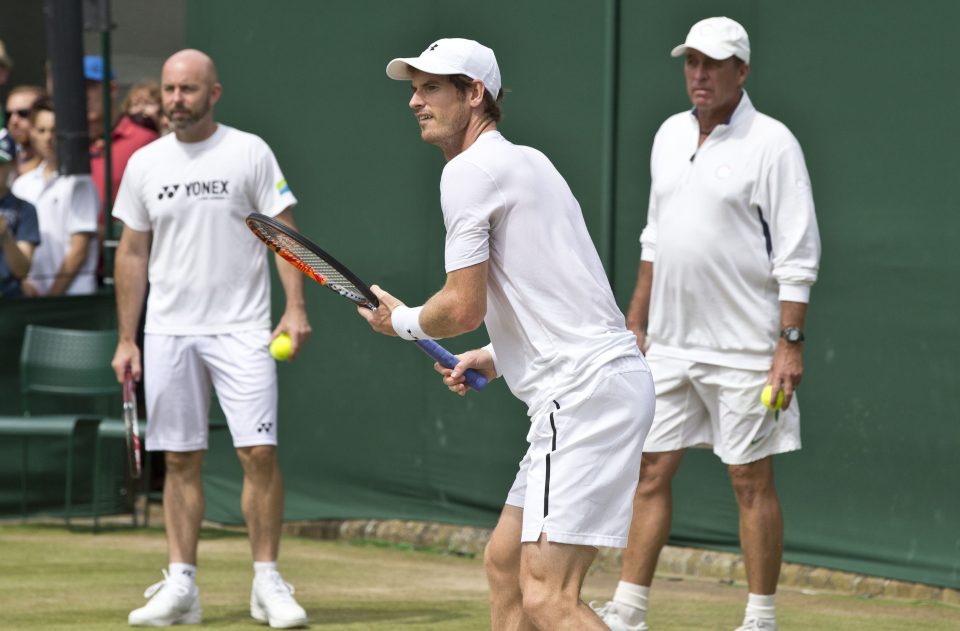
271 601
610 614
171 602
758 624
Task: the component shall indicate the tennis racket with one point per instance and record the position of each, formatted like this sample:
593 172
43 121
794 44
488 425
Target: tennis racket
307 257
131 425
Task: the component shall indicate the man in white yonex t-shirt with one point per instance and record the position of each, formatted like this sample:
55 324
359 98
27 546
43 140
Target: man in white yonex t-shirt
730 251
183 200
519 259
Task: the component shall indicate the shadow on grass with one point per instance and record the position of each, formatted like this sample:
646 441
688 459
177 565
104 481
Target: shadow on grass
396 615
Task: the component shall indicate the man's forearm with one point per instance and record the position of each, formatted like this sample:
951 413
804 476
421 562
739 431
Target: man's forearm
16 259
639 311
72 262
130 278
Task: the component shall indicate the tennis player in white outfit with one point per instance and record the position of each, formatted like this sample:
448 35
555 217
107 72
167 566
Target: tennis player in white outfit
519 259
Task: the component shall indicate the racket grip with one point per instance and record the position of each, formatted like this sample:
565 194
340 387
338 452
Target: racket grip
446 359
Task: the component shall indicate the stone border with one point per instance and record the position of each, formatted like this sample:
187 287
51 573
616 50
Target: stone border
692 562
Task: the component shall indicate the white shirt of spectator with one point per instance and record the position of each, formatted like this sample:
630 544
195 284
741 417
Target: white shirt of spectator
66 205
208 273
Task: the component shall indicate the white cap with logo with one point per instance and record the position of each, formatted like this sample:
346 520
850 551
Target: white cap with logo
452 56
717 38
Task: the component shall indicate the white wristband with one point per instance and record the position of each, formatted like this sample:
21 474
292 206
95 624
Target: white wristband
493 356
406 323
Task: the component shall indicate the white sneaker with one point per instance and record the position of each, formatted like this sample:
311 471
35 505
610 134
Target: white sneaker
758 624
171 602
271 601
610 614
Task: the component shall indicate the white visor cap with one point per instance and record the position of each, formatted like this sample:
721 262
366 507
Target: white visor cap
717 38
452 56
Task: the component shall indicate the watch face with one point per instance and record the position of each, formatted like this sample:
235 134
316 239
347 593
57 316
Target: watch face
792 334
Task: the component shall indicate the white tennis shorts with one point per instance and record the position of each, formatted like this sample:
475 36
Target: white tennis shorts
704 405
178 372
577 480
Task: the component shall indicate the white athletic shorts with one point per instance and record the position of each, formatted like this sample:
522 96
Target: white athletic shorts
178 372
705 405
577 480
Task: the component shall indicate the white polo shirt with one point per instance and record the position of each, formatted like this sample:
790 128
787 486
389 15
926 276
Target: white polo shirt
731 230
208 273
551 315
66 205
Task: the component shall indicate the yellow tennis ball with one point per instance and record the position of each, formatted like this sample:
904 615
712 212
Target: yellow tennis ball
280 347
765 398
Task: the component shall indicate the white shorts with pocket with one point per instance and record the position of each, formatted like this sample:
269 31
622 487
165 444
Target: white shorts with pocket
705 405
577 480
178 372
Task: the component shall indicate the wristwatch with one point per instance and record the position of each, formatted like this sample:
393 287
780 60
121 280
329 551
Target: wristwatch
792 334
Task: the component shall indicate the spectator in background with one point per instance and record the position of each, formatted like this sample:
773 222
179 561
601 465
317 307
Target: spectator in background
19 233
66 259
19 102
142 106
127 137
6 64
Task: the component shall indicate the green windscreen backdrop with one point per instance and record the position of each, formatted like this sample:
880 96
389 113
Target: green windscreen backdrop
368 431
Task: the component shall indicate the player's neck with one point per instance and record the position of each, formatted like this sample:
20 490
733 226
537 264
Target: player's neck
473 131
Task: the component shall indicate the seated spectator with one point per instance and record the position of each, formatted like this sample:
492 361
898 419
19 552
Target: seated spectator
19 102
19 234
142 106
65 262
127 136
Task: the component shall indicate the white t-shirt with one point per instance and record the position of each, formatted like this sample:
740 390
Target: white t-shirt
731 230
208 273
551 315
66 205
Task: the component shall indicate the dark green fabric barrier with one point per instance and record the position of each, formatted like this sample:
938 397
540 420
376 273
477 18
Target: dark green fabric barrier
366 429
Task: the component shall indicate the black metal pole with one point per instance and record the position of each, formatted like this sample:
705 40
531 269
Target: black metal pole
65 51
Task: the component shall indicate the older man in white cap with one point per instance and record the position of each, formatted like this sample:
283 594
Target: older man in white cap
732 234
519 259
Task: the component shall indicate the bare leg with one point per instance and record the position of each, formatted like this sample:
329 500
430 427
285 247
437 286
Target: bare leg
761 524
551 576
183 504
652 511
501 561
262 500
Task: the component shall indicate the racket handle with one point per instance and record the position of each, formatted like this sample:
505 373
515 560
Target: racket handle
446 359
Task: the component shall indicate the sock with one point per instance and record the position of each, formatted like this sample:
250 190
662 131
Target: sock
183 572
761 607
263 567
631 602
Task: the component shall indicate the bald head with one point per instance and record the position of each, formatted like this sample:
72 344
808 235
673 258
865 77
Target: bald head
189 90
193 61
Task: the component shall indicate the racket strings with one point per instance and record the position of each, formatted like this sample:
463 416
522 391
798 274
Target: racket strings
309 263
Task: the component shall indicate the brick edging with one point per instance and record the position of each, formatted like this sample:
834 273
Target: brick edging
693 562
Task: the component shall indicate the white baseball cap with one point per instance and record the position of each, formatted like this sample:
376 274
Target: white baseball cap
452 56
717 38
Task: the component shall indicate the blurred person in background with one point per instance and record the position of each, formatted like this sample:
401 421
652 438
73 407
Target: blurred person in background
127 136
142 106
19 234
19 102
65 261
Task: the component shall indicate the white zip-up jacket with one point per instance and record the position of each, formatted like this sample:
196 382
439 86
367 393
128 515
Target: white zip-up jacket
731 231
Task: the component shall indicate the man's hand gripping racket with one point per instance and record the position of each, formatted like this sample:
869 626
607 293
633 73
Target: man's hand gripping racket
131 425
307 257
